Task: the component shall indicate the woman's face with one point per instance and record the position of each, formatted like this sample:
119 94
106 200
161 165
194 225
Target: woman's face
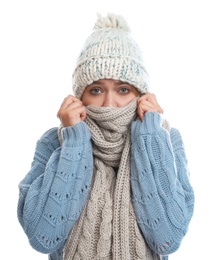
109 93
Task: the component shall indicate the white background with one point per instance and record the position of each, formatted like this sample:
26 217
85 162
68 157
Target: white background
39 44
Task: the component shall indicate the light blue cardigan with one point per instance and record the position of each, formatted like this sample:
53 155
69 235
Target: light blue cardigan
53 193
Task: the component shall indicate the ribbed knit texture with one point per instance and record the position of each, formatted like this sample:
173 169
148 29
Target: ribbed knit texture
107 228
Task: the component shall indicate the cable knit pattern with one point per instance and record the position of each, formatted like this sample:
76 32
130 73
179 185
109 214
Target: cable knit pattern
62 183
108 228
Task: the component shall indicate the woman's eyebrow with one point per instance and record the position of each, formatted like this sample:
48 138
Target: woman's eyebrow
121 83
96 83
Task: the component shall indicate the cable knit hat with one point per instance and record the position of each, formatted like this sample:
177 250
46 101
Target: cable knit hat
110 53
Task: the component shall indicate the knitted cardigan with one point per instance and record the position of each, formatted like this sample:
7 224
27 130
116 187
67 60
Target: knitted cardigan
55 190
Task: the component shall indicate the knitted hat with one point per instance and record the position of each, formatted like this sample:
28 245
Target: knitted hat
110 53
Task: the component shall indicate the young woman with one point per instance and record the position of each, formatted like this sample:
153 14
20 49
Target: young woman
112 182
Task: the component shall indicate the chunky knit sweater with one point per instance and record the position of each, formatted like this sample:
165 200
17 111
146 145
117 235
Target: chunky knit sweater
55 190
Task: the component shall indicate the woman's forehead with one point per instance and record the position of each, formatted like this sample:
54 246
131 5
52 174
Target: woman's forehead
108 81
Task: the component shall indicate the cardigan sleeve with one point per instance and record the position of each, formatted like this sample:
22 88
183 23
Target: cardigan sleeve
162 194
53 193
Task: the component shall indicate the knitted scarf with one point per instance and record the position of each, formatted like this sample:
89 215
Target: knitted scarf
107 228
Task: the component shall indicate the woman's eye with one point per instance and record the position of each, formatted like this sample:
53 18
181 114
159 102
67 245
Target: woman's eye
124 90
95 91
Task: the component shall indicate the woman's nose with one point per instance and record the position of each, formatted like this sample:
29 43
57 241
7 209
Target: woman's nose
109 100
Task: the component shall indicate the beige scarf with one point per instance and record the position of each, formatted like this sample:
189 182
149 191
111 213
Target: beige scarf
107 228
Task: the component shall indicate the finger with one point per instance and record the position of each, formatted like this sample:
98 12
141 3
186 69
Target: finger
149 97
150 101
153 99
69 100
145 106
141 113
148 106
69 103
83 113
69 117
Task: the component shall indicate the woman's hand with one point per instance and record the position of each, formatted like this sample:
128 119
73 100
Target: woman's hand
71 111
148 103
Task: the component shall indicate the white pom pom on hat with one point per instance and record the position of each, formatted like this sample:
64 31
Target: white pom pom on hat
110 53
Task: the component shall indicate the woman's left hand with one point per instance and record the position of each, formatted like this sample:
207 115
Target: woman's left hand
148 103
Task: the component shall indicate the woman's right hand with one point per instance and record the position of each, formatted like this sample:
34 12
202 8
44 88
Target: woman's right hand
71 111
